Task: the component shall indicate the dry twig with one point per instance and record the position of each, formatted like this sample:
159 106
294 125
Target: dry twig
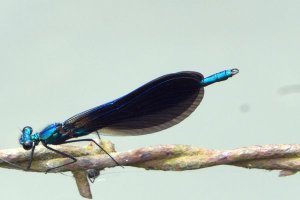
161 157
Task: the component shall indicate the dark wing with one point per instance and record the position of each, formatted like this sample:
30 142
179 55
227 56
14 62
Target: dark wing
155 106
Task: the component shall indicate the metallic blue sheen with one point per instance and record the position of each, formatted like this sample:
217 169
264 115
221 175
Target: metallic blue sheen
26 136
35 137
53 134
49 131
155 106
221 76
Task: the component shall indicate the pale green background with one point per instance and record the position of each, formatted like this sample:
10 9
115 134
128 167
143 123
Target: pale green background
59 58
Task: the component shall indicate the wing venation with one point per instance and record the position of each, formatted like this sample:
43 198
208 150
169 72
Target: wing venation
155 106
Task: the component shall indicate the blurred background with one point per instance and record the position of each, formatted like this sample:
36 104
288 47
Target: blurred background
61 58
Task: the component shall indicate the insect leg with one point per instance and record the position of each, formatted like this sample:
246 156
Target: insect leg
62 153
91 140
12 164
31 157
98 135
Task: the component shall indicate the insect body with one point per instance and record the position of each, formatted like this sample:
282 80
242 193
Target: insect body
92 174
153 107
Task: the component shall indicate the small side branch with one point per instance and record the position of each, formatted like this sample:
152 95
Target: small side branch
83 184
161 157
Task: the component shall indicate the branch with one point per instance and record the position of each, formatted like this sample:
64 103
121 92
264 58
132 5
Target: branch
161 157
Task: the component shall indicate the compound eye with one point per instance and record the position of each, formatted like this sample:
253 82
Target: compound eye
27 145
27 130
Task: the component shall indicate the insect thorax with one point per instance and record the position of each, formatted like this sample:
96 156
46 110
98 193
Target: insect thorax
53 134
